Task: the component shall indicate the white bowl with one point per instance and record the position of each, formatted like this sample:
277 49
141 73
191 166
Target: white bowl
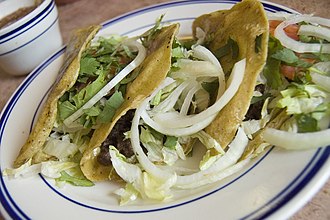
27 42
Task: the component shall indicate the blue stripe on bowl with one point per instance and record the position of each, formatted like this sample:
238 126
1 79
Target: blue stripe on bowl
14 33
27 43
302 179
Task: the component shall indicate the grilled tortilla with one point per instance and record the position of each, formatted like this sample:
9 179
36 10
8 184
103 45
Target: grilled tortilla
153 71
67 77
232 37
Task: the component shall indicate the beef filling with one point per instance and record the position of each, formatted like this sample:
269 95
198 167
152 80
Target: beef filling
117 139
254 111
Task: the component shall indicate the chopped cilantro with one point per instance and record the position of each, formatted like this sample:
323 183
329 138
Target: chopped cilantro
110 107
89 65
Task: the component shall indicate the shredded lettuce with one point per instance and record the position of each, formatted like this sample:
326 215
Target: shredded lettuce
299 99
51 169
139 181
208 141
208 159
61 149
127 194
110 107
74 180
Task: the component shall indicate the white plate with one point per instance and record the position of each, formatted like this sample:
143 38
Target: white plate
275 185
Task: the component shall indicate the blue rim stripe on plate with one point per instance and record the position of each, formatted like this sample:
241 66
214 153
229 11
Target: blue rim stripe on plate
20 28
318 163
291 190
27 43
164 21
11 206
165 207
268 6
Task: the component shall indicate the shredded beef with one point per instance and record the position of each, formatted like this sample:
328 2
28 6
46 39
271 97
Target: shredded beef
254 111
117 139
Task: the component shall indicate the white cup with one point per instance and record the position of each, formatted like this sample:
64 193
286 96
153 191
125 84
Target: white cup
28 41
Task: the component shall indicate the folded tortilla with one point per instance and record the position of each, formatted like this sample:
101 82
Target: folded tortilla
152 72
67 77
233 37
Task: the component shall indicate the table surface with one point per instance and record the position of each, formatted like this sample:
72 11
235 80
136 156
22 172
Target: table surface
80 13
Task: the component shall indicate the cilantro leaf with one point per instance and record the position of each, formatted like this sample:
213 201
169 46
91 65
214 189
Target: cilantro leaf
90 90
65 109
272 74
285 55
89 65
110 107
288 56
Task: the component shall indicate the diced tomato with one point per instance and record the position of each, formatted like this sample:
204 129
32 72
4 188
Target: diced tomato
288 71
291 30
272 25
308 60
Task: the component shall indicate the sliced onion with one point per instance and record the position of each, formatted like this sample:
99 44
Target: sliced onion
61 149
105 90
315 31
215 177
297 141
321 67
186 103
203 53
236 149
194 68
297 46
235 81
279 16
176 131
170 101
321 80
144 161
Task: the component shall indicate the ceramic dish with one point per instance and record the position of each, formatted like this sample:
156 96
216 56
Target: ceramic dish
276 184
33 32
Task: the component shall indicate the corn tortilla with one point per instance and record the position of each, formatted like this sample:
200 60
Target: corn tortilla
153 71
68 75
247 25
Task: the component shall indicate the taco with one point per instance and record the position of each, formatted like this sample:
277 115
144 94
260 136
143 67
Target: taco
85 98
232 36
67 77
152 71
